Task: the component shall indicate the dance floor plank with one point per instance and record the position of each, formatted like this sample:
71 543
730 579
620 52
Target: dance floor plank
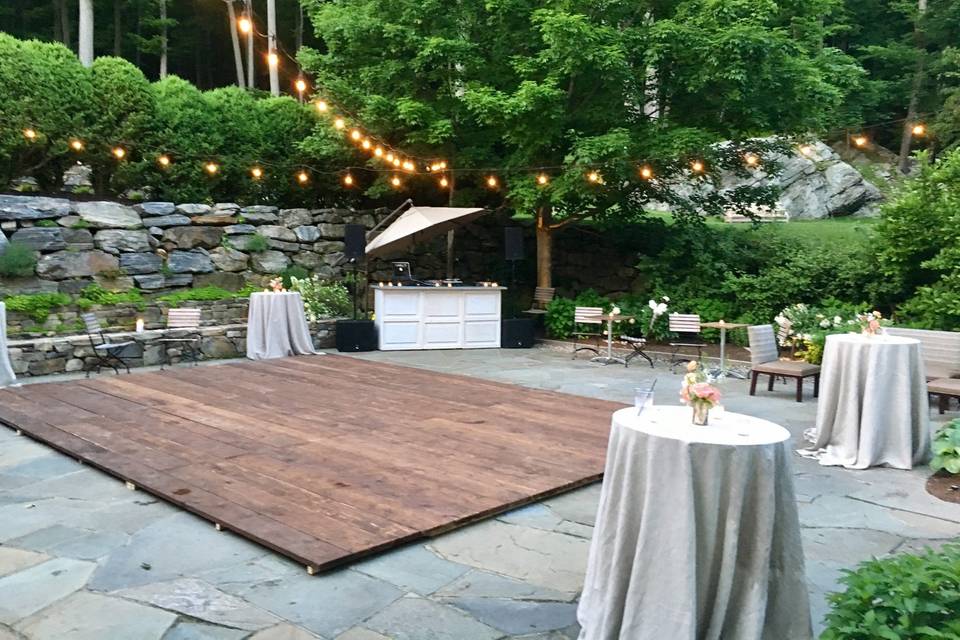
323 459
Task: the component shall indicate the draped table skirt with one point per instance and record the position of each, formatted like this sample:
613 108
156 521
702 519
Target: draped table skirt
7 376
277 326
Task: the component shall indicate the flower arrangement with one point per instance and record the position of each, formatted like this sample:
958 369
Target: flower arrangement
696 392
871 323
805 327
657 309
276 285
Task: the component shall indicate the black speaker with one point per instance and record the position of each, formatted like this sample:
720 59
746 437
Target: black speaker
355 241
356 335
516 333
513 243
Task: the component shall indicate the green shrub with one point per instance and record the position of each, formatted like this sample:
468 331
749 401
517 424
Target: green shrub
94 294
293 271
37 305
559 318
257 244
903 597
46 223
321 298
202 293
946 448
18 261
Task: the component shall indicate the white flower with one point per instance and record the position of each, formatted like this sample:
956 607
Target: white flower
825 323
653 305
661 309
837 320
665 299
780 320
615 311
632 321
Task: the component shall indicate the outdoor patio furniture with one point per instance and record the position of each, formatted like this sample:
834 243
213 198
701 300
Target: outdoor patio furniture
697 533
277 326
109 354
940 350
721 371
687 328
7 377
944 389
609 358
764 359
542 296
186 322
586 316
638 343
874 410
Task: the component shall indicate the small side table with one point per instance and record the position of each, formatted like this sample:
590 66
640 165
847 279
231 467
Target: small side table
610 358
722 371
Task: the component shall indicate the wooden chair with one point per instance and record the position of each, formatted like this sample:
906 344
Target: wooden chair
586 316
542 296
764 358
944 389
107 353
687 328
186 322
940 350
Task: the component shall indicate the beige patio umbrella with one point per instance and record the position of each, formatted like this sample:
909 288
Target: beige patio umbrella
419 224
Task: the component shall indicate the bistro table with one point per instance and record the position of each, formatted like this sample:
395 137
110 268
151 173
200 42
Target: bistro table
723 372
610 358
7 377
697 534
873 408
277 326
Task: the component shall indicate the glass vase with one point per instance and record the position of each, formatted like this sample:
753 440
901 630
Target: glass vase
701 413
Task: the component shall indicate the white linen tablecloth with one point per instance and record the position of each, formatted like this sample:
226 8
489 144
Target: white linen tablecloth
873 408
277 326
697 534
7 376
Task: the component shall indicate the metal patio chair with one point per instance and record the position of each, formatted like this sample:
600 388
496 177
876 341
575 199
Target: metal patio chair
107 353
586 316
542 296
187 322
687 328
638 343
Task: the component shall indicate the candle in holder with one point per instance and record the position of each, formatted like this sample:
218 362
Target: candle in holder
139 325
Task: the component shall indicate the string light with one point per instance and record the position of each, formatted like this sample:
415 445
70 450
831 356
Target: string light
542 179
348 180
339 123
272 59
442 165
492 182
76 145
593 176
395 181
365 144
119 152
322 106
860 140
256 172
355 134
378 152
30 134
918 129
751 159
646 172
300 85
163 161
696 166
407 165
302 177
244 25
444 182
212 168
806 150
396 162
389 157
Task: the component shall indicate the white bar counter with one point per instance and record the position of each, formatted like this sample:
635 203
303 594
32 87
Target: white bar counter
412 317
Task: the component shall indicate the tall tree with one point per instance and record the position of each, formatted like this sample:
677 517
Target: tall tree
85 39
235 40
916 85
164 30
272 47
556 88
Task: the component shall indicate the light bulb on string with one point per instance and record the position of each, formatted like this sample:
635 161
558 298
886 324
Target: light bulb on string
395 181
805 150
918 129
444 182
30 134
365 144
272 59
256 173
696 166
646 172
542 179
301 85
302 177
163 160
442 164
751 159
322 106
389 157
76 145
355 134
119 152
860 140
407 165
348 180
245 25
378 152
396 162
212 168
593 176
492 182
339 123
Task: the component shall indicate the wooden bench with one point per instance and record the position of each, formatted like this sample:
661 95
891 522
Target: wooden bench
762 213
940 350
944 389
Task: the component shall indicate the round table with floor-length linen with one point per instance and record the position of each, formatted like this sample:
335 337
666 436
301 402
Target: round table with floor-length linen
873 408
7 377
277 326
697 534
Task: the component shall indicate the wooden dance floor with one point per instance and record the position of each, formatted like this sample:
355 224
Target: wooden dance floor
323 459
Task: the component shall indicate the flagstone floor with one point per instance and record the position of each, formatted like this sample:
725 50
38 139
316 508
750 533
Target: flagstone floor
83 558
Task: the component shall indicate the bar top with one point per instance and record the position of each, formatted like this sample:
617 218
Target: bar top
411 287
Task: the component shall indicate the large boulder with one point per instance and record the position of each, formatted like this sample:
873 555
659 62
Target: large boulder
227 259
108 215
189 262
269 262
191 237
43 239
78 239
173 220
75 264
140 263
150 209
276 232
32 207
122 240
332 231
291 218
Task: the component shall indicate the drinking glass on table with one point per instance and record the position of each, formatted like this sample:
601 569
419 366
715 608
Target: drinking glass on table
643 397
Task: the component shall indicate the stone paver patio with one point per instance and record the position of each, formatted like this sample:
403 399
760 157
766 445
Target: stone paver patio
83 558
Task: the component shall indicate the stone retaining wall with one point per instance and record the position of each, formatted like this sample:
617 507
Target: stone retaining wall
46 356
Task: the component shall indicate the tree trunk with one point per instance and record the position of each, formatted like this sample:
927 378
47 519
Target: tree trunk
272 46
56 21
249 13
237 58
163 39
451 234
118 28
85 40
298 35
544 247
66 30
918 76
